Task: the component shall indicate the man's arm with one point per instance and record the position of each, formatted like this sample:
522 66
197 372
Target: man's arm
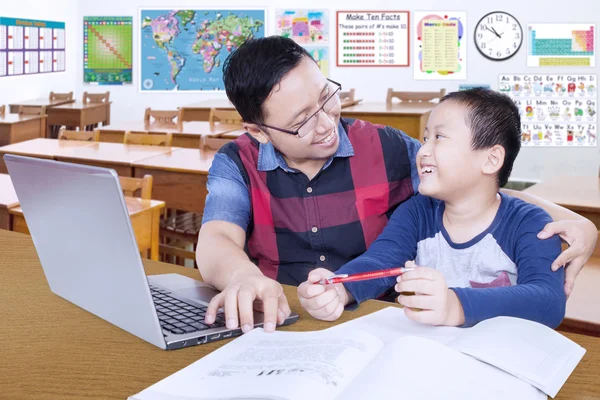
580 233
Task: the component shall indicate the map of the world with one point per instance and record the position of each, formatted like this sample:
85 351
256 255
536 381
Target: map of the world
185 49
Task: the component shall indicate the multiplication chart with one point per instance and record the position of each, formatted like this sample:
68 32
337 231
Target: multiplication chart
373 38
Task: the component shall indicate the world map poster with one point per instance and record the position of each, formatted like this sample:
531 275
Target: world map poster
185 49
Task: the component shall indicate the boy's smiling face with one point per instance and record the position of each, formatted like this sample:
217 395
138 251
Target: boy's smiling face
448 167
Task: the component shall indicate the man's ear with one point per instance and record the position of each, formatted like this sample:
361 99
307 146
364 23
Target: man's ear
256 132
494 161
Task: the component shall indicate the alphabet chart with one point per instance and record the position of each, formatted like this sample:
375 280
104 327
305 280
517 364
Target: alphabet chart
556 110
31 46
373 38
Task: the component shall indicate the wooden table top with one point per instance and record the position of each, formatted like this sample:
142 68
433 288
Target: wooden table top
117 153
182 160
211 103
43 102
581 193
47 148
194 128
395 109
79 105
8 119
582 307
8 197
56 350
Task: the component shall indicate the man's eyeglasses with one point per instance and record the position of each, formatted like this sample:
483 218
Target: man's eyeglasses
311 122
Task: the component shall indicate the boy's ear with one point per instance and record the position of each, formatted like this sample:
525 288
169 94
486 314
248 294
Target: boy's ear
256 132
495 160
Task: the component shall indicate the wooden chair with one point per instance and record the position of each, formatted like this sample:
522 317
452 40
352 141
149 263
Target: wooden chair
61 96
2 110
414 97
148 138
164 117
131 186
32 110
95 97
84 136
224 117
213 143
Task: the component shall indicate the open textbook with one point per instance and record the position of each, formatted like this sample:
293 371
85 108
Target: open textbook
382 354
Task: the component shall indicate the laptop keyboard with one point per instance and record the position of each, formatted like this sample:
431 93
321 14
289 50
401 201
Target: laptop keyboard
179 317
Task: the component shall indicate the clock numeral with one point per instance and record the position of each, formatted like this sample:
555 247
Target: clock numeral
507 51
517 35
499 17
480 35
483 45
482 27
514 27
515 45
499 54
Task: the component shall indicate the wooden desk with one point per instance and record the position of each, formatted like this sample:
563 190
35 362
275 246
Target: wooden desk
8 199
16 128
179 178
580 194
77 115
187 136
411 119
145 221
200 111
56 350
40 148
117 156
583 312
44 102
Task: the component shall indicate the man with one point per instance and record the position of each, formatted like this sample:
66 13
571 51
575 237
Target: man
306 189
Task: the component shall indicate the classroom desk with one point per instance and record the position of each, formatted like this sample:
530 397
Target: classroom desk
200 111
44 102
188 135
77 115
40 148
583 314
117 156
580 194
56 350
16 128
179 178
411 119
8 199
145 221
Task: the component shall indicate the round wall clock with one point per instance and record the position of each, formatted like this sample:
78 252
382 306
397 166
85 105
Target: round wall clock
498 36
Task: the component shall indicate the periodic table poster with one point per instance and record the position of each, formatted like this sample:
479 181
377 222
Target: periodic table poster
31 46
556 110
373 38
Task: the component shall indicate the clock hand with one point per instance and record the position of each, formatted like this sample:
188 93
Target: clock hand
497 34
493 31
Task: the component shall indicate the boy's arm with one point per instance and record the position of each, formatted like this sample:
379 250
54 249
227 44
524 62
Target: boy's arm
392 248
538 295
580 233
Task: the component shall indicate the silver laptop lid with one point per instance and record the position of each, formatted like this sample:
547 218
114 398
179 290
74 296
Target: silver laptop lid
81 229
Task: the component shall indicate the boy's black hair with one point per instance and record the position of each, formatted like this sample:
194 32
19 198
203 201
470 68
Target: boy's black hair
251 72
493 119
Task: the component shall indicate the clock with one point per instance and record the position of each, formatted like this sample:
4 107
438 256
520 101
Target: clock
498 36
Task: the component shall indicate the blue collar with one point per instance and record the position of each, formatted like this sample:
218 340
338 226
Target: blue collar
270 159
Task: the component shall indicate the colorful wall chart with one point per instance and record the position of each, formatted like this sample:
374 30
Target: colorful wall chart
372 38
440 47
556 110
107 50
561 45
185 49
31 46
309 28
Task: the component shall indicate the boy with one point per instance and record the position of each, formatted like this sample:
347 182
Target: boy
475 251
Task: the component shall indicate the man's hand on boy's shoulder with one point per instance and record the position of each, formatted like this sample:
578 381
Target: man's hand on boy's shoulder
581 235
426 298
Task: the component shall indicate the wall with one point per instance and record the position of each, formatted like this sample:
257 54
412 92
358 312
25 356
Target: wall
25 87
370 83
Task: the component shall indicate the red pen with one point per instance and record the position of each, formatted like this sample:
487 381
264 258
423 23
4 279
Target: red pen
363 276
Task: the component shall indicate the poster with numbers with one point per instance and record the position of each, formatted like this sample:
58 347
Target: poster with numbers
373 38
440 45
556 110
31 46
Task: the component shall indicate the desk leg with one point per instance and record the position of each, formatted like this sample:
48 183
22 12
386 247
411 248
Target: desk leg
156 213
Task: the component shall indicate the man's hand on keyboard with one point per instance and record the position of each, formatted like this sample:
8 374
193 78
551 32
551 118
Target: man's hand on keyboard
239 300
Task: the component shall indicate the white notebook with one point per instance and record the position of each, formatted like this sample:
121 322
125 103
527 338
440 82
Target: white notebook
382 354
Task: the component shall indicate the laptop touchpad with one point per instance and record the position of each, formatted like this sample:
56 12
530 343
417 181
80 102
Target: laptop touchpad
187 287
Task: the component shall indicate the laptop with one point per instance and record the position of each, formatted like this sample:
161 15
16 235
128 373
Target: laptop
81 230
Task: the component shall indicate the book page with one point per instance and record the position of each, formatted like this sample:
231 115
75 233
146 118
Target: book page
416 368
279 365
